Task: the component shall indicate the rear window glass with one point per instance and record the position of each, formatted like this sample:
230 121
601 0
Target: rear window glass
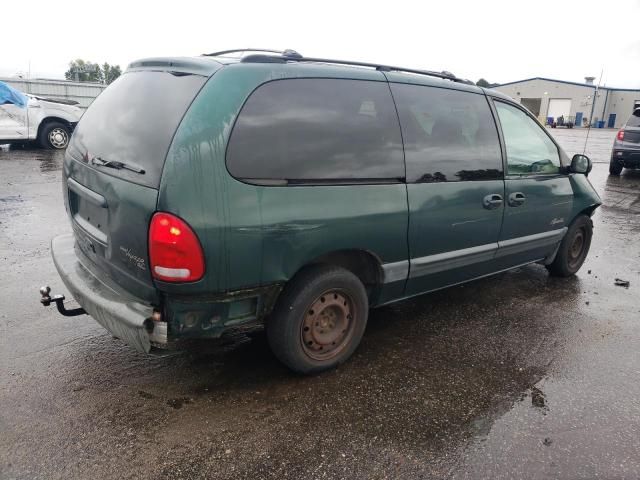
449 135
133 121
306 130
634 120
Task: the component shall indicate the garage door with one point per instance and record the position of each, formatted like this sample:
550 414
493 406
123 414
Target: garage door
559 107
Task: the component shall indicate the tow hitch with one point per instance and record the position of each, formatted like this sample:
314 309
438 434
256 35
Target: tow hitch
59 301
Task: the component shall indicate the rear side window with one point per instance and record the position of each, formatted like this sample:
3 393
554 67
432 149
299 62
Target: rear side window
133 121
634 120
448 135
317 130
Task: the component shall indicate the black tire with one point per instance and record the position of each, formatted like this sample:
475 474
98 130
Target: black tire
54 135
615 168
319 319
573 248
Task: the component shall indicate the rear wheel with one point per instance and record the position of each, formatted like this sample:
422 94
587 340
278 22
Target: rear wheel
573 249
615 168
54 135
319 319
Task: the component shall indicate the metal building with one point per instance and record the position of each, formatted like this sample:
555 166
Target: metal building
81 92
547 98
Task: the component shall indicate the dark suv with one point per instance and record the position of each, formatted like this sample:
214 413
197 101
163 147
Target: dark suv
212 194
626 146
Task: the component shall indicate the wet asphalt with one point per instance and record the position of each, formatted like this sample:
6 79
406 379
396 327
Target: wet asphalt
515 376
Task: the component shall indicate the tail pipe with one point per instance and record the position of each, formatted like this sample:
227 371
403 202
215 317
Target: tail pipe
59 301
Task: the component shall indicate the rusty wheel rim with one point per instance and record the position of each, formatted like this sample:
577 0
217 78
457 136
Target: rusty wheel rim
328 324
577 247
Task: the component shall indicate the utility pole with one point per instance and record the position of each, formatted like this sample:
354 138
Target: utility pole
595 97
593 106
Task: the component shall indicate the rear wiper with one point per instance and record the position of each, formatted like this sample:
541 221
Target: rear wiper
99 162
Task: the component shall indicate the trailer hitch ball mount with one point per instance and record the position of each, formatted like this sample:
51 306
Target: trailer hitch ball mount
47 299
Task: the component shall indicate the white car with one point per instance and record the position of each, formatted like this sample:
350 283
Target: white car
25 118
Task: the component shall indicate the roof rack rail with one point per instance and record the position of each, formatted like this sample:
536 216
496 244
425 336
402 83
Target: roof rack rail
237 50
293 56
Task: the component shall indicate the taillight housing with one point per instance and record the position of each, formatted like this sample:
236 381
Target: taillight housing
175 253
620 135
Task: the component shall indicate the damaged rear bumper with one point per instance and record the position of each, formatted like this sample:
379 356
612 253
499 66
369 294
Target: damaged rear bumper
125 316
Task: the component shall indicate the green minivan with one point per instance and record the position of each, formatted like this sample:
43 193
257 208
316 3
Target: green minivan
221 193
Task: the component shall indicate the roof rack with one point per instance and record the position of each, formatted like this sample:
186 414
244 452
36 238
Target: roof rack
237 50
293 56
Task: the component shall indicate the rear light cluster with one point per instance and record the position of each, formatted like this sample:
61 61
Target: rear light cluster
621 134
174 250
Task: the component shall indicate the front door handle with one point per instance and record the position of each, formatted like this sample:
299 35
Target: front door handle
516 199
492 201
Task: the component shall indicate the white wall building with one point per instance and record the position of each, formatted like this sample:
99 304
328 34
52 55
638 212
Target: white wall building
546 97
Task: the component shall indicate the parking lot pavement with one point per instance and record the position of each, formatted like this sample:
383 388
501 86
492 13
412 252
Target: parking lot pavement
515 376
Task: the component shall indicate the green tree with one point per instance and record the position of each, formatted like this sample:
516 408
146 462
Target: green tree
110 72
83 71
86 71
485 84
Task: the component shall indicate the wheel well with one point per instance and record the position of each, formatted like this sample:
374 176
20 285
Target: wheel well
589 210
363 264
48 120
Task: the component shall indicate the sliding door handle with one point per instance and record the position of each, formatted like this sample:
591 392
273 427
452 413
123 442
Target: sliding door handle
516 199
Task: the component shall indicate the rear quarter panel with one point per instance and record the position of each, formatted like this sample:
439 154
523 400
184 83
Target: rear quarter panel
256 235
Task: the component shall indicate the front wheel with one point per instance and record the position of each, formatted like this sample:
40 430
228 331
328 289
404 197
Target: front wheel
54 135
573 249
319 319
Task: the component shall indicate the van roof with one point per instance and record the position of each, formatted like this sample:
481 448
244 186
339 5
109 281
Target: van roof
208 64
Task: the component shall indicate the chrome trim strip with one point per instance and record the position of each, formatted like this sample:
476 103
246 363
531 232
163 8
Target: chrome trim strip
396 271
530 242
439 262
454 259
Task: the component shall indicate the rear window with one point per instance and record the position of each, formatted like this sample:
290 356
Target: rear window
634 120
317 130
133 121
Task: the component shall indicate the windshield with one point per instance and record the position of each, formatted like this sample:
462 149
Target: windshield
133 122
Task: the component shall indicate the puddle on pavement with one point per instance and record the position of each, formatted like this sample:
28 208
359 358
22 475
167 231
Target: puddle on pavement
50 160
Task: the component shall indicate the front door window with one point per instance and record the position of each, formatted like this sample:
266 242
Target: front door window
529 148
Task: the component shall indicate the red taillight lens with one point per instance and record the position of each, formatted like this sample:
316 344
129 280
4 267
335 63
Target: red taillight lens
621 135
174 250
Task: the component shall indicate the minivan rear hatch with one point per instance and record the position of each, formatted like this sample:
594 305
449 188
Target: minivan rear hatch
632 128
113 166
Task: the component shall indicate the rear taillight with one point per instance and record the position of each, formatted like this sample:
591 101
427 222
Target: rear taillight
620 135
174 250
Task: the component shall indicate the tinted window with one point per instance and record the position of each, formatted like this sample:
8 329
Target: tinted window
317 129
529 149
448 135
634 120
133 121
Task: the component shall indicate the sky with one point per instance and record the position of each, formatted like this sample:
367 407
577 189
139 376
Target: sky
499 41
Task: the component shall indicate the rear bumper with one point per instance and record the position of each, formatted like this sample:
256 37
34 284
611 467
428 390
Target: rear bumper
120 313
629 158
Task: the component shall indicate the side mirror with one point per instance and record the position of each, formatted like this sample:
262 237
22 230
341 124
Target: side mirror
580 164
